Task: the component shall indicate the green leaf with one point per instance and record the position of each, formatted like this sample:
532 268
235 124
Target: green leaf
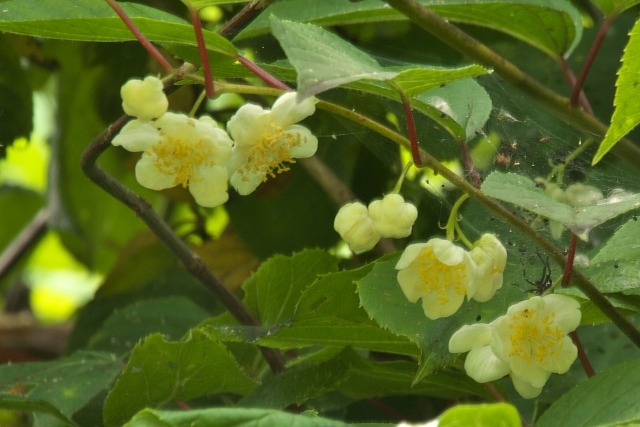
15 402
551 26
234 417
488 415
159 371
521 191
612 8
66 384
273 291
383 299
299 384
607 399
626 115
91 20
314 52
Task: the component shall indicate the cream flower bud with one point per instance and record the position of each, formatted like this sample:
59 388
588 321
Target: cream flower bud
144 99
392 216
355 227
490 258
529 343
579 195
439 272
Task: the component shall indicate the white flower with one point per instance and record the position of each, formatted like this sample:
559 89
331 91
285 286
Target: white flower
355 227
267 140
392 216
144 99
490 257
179 150
439 272
530 343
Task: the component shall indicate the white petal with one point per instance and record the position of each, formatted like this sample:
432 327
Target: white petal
247 124
137 135
308 142
246 182
529 372
525 389
287 111
211 189
562 359
144 99
446 252
410 253
148 175
409 282
434 308
469 337
566 311
483 366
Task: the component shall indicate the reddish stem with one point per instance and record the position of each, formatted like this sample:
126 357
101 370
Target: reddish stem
265 76
571 254
411 128
582 356
571 78
469 166
155 53
202 49
595 47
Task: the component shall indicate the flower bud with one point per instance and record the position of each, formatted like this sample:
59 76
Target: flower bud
144 99
579 195
356 228
392 216
490 258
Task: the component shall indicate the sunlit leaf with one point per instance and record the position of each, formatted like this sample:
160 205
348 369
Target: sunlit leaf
553 27
626 115
160 371
612 8
90 20
489 415
587 405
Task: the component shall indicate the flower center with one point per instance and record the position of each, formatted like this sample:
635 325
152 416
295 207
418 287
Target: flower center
269 154
438 277
533 339
181 157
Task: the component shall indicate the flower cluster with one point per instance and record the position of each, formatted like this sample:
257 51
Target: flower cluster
442 274
529 343
362 227
201 156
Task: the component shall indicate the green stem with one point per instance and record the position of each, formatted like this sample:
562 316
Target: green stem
462 42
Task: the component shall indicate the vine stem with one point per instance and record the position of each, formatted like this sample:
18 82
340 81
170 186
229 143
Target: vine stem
155 53
202 49
24 240
411 124
582 356
464 43
243 18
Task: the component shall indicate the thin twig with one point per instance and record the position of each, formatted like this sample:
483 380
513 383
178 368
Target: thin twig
582 356
571 254
28 237
243 18
202 49
265 76
571 78
464 43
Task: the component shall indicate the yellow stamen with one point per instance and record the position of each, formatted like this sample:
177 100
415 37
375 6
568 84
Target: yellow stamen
532 338
438 277
180 158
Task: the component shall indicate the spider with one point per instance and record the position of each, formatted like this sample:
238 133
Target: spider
545 282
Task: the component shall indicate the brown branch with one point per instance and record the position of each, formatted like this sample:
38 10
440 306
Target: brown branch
243 18
29 236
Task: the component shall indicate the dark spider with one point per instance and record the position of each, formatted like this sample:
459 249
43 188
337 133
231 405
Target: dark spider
544 283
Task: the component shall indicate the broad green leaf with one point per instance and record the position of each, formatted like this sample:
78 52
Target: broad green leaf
383 299
607 399
16 402
160 371
234 417
488 415
551 26
273 291
612 8
626 115
298 384
66 384
90 20
314 52
521 191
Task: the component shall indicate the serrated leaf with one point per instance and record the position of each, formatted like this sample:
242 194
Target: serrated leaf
273 291
383 299
299 384
612 8
314 52
626 115
160 371
521 191
233 417
607 399
551 26
66 384
90 20
487 415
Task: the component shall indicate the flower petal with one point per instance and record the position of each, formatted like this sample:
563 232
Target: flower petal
144 99
308 142
566 311
446 252
247 124
287 111
483 366
525 389
409 282
150 177
469 337
435 307
136 135
410 253
211 189
530 372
